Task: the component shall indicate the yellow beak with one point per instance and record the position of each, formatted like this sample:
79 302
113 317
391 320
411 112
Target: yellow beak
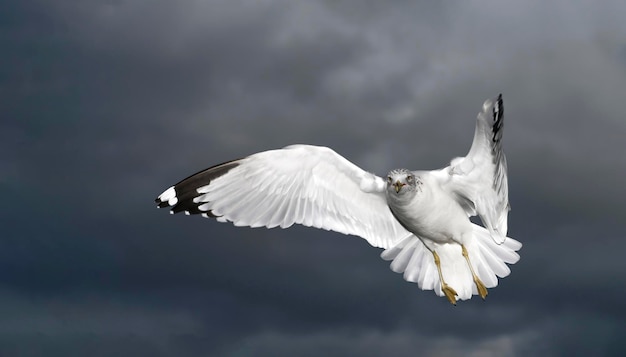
398 186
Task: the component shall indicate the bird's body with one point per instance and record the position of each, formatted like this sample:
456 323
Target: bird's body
440 220
420 218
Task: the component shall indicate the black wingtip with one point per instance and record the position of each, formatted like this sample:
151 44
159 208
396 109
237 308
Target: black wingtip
498 113
180 197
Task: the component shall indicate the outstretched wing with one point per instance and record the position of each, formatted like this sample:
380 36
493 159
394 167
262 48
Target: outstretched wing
309 185
479 180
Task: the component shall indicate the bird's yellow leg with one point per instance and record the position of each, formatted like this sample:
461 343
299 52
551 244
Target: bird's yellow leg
482 290
447 290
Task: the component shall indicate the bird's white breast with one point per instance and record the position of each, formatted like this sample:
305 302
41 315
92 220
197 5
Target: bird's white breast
430 213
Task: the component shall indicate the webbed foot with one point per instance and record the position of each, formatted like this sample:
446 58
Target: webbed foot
449 293
482 290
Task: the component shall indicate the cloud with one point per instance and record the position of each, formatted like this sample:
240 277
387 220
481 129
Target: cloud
111 102
370 343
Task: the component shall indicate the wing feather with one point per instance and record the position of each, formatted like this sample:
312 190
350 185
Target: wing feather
479 180
302 184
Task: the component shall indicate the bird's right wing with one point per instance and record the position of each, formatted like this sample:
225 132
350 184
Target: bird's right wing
309 185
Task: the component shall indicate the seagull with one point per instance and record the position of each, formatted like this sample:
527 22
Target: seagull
420 218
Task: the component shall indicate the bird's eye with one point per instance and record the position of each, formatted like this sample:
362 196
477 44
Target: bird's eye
409 178
389 179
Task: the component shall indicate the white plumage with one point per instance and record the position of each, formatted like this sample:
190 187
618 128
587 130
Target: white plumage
415 215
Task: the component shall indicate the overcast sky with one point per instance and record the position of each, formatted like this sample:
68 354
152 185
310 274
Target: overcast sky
106 103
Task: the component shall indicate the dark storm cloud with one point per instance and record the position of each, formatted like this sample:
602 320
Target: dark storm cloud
108 103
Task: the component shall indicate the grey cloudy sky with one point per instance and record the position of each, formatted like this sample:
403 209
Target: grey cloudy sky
107 103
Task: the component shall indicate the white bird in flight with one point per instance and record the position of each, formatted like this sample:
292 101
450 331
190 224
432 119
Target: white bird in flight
420 218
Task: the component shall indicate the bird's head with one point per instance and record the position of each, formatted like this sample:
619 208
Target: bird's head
401 181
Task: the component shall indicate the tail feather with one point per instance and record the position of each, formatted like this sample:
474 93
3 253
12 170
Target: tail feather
416 261
455 270
489 260
404 257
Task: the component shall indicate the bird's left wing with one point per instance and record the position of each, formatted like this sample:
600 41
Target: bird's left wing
479 180
309 185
